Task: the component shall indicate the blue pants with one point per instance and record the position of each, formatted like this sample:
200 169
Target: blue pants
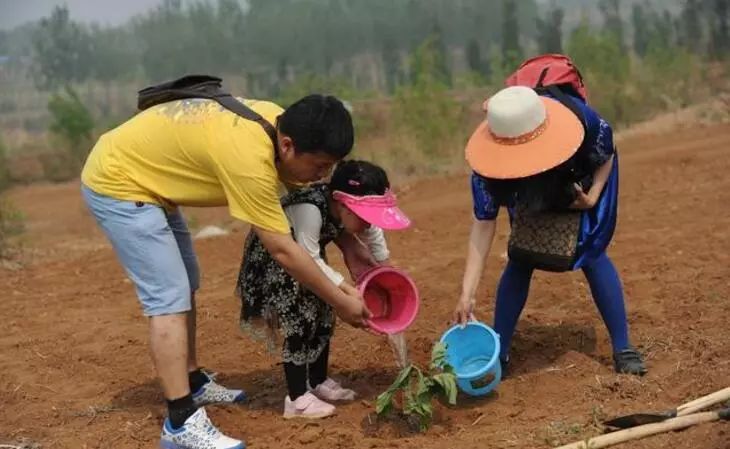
605 288
155 248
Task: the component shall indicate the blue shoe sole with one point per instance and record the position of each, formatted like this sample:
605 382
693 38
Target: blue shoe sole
171 445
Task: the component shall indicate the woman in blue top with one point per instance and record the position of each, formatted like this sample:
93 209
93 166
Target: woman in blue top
525 136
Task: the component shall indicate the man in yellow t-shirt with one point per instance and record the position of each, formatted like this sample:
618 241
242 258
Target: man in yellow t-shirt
194 152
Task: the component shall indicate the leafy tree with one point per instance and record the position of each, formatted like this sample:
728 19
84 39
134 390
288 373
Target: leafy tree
692 25
477 63
612 21
511 48
642 33
62 51
424 108
606 68
71 121
720 38
550 31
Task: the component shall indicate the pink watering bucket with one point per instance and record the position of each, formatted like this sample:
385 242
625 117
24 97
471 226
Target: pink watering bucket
392 298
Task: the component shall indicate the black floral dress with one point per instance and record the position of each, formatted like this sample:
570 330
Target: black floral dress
274 305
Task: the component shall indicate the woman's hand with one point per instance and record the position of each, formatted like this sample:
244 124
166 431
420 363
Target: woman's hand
588 200
584 201
464 311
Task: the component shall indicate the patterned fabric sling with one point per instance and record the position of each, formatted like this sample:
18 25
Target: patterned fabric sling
546 240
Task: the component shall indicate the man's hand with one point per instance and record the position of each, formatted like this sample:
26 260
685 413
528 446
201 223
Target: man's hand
354 312
300 265
349 289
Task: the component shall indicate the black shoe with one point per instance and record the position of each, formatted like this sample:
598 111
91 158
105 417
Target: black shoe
504 364
629 361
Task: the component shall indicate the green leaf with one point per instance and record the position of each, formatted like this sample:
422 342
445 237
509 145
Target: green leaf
447 382
384 403
423 384
448 369
425 411
402 379
425 407
425 422
424 402
409 403
438 356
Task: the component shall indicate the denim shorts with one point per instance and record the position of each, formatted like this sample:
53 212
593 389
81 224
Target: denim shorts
155 248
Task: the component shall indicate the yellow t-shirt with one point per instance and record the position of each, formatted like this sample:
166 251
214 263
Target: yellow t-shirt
192 153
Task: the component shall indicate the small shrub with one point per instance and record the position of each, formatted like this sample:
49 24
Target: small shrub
418 388
426 110
72 122
12 222
4 172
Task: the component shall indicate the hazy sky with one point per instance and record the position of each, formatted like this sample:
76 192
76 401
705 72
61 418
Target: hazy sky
16 12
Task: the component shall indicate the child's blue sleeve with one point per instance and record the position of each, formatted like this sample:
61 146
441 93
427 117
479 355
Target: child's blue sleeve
485 207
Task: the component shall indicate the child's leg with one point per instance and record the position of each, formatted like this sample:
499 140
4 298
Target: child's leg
296 375
322 386
318 369
511 297
301 403
609 298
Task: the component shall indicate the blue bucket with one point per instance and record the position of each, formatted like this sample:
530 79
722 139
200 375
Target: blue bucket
473 351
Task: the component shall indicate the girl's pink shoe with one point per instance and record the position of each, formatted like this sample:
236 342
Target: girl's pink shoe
330 390
307 406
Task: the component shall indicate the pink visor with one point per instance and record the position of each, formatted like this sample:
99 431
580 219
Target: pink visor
379 210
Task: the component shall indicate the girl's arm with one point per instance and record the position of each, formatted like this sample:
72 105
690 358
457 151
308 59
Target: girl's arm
306 222
374 238
480 243
357 256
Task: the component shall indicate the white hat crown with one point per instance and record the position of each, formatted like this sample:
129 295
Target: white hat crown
515 112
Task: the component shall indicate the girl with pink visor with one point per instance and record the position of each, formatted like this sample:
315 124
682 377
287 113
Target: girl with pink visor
357 201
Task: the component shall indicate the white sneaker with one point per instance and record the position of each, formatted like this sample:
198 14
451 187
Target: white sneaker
197 433
307 406
215 393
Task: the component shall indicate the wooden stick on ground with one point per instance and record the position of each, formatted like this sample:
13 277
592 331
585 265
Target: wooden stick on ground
638 432
704 402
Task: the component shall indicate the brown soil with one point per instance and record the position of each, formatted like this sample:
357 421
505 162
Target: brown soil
76 372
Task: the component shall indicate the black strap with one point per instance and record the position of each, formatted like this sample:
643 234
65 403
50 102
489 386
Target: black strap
207 87
229 102
566 101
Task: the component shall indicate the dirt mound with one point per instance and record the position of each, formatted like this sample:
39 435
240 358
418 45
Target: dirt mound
712 112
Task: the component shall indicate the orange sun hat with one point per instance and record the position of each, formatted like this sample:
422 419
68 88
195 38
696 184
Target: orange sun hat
524 134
